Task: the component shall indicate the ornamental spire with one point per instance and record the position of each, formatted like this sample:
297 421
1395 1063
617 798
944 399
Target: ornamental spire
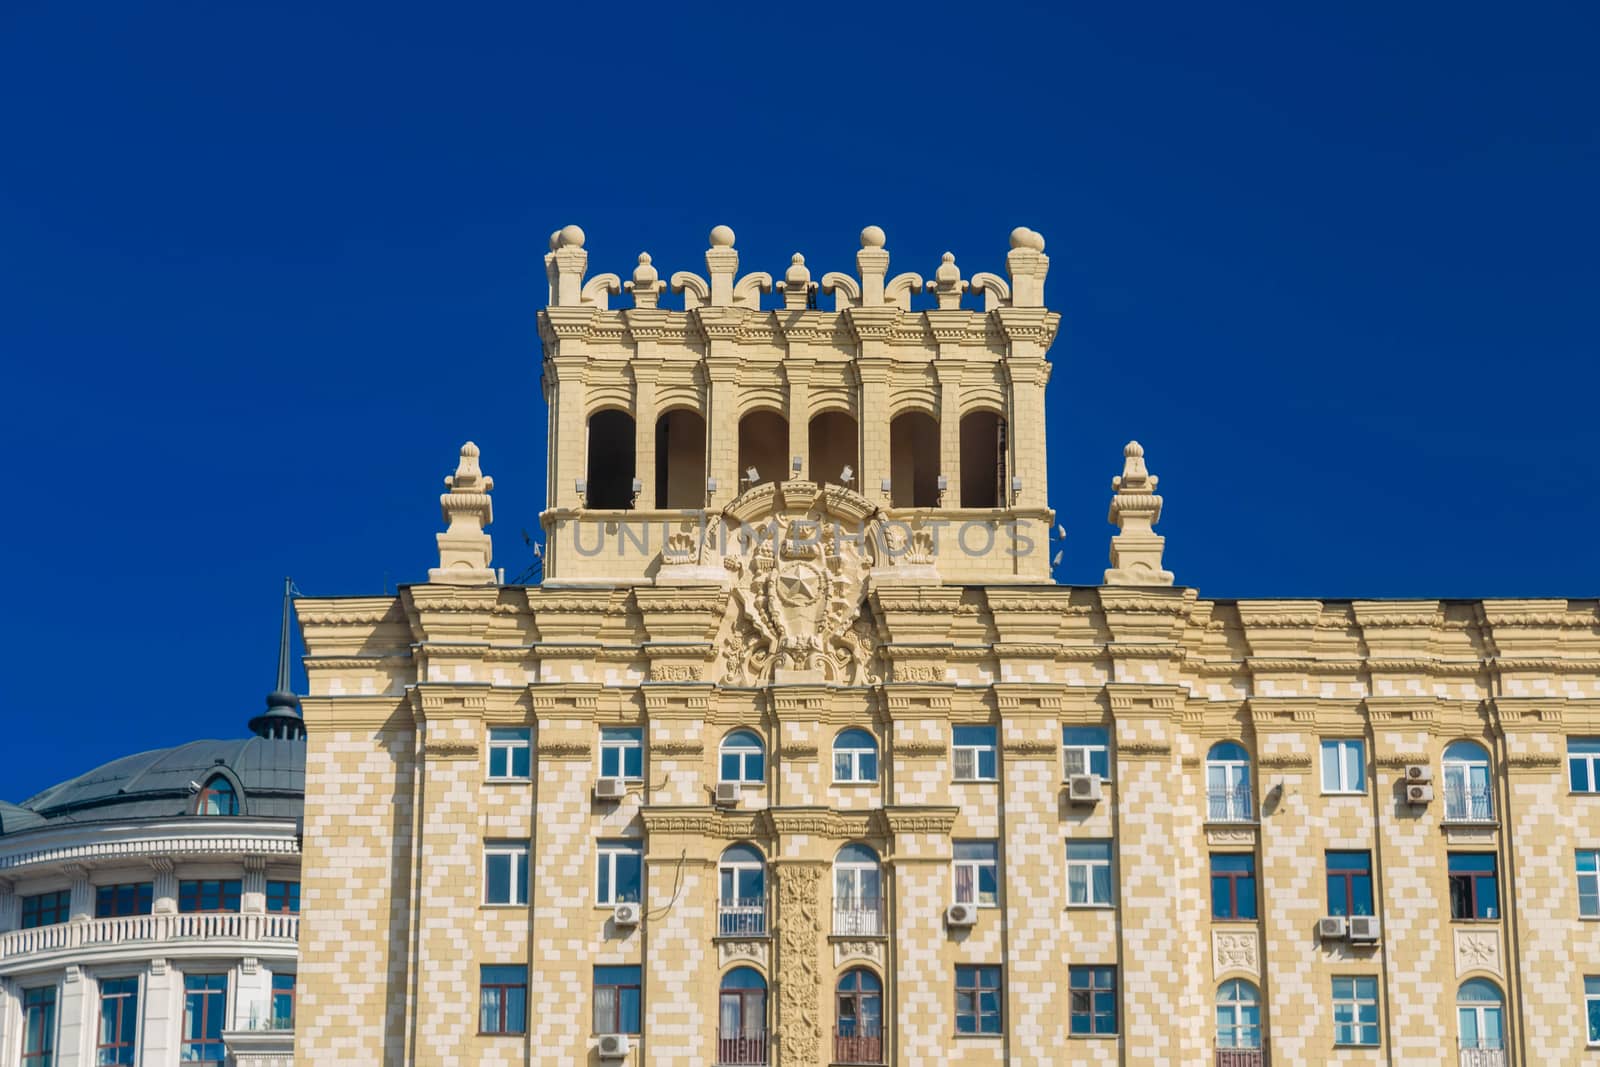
1135 509
282 718
464 549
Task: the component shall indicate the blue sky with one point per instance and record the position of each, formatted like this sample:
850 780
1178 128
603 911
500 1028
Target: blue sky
263 268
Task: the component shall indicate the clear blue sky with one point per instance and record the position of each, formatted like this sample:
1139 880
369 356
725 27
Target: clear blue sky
263 268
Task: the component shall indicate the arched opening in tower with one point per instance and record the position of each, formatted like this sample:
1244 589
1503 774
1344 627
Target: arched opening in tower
914 460
983 460
764 446
611 460
680 459
833 438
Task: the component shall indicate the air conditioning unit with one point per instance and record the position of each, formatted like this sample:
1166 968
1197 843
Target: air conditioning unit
1331 927
1363 928
610 789
1419 794
1083 788
961 915
1419 772
625 915
727 794
614 1046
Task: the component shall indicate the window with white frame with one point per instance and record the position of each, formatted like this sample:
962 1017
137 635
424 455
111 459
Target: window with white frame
973 753
855 757
1591 1006
619 872
1344 765
1466 783
1583 764
1355 1011
622 752
741 759
1086 750
505 872
977 873
1088 872
510 752
1589 883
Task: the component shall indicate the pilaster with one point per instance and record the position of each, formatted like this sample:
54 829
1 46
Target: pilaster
802 1002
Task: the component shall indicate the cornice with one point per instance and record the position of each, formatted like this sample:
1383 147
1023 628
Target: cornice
450 750
918 749
97 844
576 751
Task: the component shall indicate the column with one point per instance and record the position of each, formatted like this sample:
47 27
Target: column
252 995
253 893
644 424
803 1021
74 1019
9 905
82 892
160 1013
871 326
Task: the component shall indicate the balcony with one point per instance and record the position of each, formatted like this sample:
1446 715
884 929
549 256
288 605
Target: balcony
1481 1055
745 917
862 1045
1467 804
859 918
1229 805
1241 1057
742 1050
103 937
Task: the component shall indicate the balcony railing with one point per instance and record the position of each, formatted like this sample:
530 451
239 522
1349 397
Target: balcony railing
861 1045
746 917
141 929
861 917
1467 803
1228 805
742 1050
1480 1056
1241 1057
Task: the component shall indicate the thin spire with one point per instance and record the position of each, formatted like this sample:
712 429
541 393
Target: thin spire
282 719
283 640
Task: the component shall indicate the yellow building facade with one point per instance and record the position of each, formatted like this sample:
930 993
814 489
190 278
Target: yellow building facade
797 754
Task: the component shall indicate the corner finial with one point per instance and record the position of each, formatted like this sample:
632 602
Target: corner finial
1028 266
1135 509
464 548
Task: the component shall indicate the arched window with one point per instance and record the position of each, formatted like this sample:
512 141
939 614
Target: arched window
741 759
1466 783
1480 1011
983 460
857 892
681 459
742 1018
833 438
858 1019
855 757
1238 1015
742 892
217 797
913 461
1228 783
763 448
609 481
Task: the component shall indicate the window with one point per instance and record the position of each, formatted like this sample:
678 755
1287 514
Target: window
1093 994
741 759
46 909
283 1001
510 752
622 752
1473 893
205 1003
855 757
1349 883
119 1021
1466 783
1589 884
1480 1012
974 753
39 1027
977 873
978 1000
619 878
742 892
1344 766
857 892
1355 1011
133 898
1238 1015
217 797
1233 885
502 999
1088 872
1086 750
210 894
742 1018
616 1000
1583 764
1591 1006
1228 783
283 898
858 1025
505 872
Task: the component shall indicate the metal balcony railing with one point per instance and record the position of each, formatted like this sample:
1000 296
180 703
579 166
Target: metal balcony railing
144 929
1228 805
742 1050
860 1044
1483 1056
745 917
1241 1057
858 917
1467 803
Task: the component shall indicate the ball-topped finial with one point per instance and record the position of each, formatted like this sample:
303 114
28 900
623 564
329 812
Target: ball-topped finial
948 271
555 240
571 237
644 273
797 273
873 237
1022 237
1133 450
722 237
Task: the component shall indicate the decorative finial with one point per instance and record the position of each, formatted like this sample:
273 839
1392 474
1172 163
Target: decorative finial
947 285
565 265
1135 509
873 237
796 285
722 237
1022 237
464 548
1027 264
571 237
646 285
281 720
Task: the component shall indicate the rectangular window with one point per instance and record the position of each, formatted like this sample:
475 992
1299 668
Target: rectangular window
977 873
210 894
135 898
46 909
616 1000
39 1027
283 898
1344 766
1349 883
283 1001
619 875
119 1021
1088 872
622 752
1086 750
1355 1011
510 752
1233 885
1093 992
978 999
1589 884
1583 764
1473 893
505 872
973 753
1591 1006
205 1004
502 1000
